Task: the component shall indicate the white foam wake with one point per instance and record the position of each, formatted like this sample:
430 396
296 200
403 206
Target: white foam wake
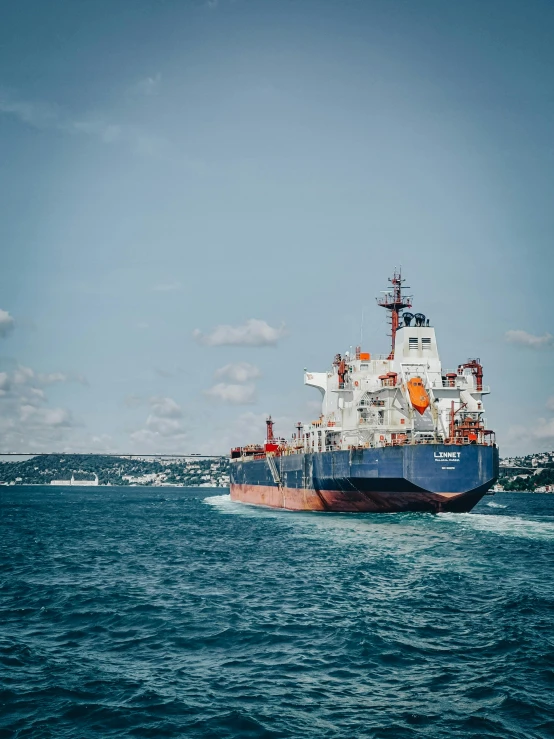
225 505
218 500
515 526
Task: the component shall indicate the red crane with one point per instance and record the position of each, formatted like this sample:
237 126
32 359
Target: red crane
476 369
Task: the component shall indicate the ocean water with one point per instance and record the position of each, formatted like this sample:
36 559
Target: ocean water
129 612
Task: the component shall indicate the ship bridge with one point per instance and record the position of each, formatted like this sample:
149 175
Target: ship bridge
401 397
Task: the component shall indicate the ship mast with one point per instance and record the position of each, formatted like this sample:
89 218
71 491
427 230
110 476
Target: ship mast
269 433
395 302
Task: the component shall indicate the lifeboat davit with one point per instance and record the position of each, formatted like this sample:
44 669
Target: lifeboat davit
418 394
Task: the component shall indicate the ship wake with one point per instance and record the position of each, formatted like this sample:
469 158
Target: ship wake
512 526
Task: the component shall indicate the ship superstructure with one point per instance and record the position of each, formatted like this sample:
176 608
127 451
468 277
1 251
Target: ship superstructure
401 419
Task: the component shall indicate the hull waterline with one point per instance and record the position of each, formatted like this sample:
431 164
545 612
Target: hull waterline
294 499
384 480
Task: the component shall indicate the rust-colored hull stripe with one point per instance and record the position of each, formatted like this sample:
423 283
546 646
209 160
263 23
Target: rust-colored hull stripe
353 501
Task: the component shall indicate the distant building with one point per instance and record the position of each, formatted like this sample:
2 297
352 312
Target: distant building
80 483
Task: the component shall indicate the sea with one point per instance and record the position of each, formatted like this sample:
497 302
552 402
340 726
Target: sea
174 612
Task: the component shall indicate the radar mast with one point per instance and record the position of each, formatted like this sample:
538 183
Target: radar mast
395 302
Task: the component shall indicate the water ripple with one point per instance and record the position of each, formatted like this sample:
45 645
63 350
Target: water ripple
178 613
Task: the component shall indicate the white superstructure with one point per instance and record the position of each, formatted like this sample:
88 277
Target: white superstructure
402 398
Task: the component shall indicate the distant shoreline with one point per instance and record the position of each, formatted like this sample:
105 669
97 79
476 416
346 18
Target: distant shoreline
82 487
216 487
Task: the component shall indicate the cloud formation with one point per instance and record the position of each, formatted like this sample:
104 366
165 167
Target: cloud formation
247 428
543 430
238 372
6 323
44 116
53 417
163 431
537 435
22 375
252 333
146 86
27 423
166 408
52 377
132 401
232 393
523 338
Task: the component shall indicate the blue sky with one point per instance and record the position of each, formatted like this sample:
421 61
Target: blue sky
197 200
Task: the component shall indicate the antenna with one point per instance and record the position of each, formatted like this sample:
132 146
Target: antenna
395 302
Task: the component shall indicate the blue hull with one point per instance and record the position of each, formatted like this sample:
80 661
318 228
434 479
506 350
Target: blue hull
426 477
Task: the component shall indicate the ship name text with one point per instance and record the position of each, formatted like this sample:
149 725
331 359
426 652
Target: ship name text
451 456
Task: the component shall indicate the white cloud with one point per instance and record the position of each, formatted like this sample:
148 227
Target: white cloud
538 435
239 372
165 408
167 287
163 426
56 417
36 114
163 431
28 424
252 333
44 116
535 437
523 338
35 394
5 383
544 430
233 394
133 401
101 443
6 323
106 132
249 428
23 375
246 428
52 377
26 376
146 86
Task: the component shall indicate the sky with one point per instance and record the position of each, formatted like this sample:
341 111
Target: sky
199 199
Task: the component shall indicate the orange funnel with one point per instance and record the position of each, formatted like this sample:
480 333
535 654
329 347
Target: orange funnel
418 394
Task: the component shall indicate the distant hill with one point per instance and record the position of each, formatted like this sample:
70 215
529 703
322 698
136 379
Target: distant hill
41 470
534 473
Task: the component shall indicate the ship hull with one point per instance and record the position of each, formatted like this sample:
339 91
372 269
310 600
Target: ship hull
427 478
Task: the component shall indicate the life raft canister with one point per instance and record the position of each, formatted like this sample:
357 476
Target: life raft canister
418 394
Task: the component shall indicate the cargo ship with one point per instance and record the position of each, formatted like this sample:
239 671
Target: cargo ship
396 432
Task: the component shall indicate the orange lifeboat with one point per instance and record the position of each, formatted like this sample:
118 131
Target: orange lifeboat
418 394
